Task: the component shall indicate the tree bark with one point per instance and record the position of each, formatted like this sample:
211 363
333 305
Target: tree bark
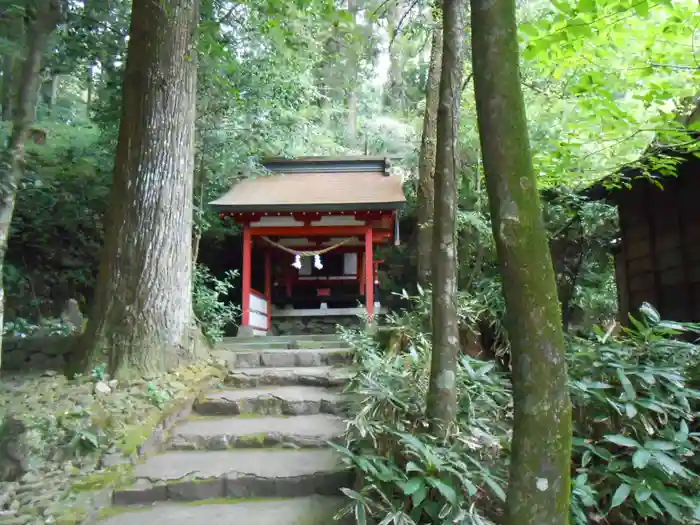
12 158
539 488
442 395
426 162
142 320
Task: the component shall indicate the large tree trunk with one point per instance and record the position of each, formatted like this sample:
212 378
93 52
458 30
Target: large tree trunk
442 395
426 162
142 319
539 487
11 162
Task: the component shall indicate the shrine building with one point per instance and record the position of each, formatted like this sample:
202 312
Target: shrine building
310 228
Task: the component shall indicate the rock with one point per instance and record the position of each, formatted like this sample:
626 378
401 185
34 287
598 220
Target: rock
14 449
30 478
102 388
18 520
113 384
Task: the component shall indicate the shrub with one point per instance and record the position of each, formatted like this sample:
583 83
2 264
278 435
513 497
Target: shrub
634 455
213 314
408 476
635 450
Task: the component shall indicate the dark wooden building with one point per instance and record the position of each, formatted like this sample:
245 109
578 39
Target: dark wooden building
657 259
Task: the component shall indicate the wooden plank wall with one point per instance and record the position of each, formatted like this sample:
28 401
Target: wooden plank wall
659 260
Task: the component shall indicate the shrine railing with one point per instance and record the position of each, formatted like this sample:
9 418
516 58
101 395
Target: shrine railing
259 309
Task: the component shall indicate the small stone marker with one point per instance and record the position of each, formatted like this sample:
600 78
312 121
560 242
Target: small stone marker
72 316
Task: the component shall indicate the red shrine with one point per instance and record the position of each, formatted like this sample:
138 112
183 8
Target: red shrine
310 226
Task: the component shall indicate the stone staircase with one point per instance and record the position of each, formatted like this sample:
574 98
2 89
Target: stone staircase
255 451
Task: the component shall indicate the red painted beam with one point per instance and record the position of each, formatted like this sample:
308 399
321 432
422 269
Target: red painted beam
309 231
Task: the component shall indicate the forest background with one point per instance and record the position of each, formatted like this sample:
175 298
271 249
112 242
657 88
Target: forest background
601 81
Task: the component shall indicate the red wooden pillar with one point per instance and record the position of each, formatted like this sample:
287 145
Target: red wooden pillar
268 287
369 273
361 273
247 263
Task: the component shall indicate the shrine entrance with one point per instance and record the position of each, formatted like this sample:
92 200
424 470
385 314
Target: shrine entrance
312 226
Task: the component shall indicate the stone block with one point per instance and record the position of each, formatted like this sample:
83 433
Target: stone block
141 493
196 490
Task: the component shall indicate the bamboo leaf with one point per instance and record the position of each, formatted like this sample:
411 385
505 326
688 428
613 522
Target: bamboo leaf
623 441
443 488
641 458
412 486
630 392
620 495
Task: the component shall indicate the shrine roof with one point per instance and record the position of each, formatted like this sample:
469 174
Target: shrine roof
317 184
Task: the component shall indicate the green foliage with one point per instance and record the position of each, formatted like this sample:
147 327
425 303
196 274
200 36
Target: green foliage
408 476
635 455
213 313
635 445
157 396
21 327
53 251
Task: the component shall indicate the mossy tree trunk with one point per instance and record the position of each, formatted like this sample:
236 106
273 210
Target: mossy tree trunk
426 162
442 395
539 487
42 22
141 320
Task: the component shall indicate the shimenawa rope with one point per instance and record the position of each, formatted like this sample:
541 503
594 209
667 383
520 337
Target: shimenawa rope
298 254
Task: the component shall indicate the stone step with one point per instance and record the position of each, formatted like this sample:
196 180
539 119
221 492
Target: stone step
272 400
326 376
312 510
262 473
244 432
285 358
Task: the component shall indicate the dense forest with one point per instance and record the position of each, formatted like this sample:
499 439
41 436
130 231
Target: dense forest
122 122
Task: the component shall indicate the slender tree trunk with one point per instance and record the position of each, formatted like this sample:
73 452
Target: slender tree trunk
90 81
426 162
7 94
13 28
12 158
539 488
394 97
52 96
442 395
353 55
142 315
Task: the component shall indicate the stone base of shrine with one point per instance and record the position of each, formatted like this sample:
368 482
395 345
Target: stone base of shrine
317 321
313 325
